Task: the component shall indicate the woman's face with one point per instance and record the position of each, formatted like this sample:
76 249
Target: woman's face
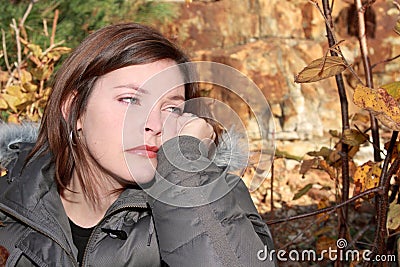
125 119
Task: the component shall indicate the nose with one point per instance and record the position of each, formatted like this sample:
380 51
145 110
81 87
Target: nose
153 124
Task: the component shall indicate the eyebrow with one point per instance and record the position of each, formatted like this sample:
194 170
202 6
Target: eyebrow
176 97
133 87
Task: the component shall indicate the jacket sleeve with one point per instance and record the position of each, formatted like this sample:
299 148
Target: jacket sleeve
204 216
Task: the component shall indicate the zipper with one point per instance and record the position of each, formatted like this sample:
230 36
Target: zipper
22 219
101 222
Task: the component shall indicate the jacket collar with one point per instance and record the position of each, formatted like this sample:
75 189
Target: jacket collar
30 194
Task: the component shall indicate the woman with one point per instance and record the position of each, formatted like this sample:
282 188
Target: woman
71 200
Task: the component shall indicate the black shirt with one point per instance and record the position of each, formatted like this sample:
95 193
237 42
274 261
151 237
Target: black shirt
80 236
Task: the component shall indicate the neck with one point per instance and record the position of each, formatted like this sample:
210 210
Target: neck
80 209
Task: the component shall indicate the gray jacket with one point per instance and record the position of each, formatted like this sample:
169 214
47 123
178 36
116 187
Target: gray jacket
137 230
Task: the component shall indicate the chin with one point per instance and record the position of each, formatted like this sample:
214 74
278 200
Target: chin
143 178
142 170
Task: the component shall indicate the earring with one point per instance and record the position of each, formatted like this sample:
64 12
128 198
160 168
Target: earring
71 138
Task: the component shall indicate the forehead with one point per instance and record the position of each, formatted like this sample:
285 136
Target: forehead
160 74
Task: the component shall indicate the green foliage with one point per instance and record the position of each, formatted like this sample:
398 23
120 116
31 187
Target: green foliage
76 18
26 83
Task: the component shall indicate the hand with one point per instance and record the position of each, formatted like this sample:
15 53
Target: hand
189 124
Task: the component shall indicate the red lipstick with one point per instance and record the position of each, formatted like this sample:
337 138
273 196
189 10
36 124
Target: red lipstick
144 151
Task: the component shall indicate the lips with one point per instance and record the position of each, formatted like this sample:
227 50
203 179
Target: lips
144 151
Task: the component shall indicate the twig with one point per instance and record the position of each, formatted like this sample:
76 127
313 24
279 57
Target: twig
301 233
28 10
19 57
22 21
385 61
272 187
3 35
45 31
51 47
329 27
362 37
53 29
343 213
367 137
358 235
375 190
383 200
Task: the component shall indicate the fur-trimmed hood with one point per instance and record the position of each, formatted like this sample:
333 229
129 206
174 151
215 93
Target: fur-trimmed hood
229 153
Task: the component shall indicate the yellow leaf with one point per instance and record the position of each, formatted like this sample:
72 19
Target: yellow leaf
353 137
320 69
36 50
25 76
393 217
30 87
366 177
14 90
13 118
42 73
393 89
12 101
382 105
33 117
3 103
54 55
62 49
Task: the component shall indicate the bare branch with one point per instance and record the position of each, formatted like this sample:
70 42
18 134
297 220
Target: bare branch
375 190
3 36
27 11
53 29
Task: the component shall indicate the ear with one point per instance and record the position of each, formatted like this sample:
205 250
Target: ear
66 107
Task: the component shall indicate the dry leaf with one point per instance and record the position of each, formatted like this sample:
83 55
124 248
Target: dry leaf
366 177
320 69
36 50
323 152
380 103
353 137
302 191
325 243
306 165
393 217
3 103
329 169
323 203
393 89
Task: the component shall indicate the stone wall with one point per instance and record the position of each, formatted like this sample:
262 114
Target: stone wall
272 40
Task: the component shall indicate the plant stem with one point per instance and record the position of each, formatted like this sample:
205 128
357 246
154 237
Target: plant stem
383 200
375 190
343 213
362 37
